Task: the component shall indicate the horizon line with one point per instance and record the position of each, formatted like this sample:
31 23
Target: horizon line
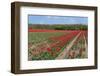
56 24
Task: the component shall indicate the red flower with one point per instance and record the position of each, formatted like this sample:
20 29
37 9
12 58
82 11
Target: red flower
49 49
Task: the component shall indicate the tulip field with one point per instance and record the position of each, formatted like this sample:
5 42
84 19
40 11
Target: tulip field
48 44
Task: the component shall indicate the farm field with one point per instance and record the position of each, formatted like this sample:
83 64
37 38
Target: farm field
47 44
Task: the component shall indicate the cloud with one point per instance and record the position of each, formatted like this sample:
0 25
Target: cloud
53 17
41 22
48 17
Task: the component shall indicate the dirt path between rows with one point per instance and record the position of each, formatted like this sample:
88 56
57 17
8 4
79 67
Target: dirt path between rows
86 48
63 54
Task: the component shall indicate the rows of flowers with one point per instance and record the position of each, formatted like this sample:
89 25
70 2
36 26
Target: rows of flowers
52 47
60 42
78 49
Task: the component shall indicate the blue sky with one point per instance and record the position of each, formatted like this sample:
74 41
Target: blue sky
42 19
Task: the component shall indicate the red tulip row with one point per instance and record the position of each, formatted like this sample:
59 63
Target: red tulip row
61 41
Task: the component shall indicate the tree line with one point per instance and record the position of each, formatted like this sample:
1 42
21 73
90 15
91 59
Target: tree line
59 26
